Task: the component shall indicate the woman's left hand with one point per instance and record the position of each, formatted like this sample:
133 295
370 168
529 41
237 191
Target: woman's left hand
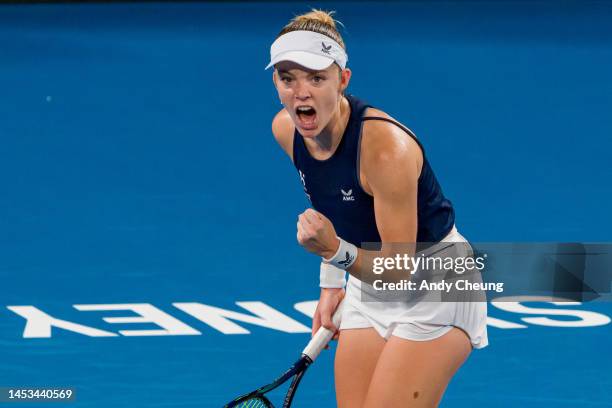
317 234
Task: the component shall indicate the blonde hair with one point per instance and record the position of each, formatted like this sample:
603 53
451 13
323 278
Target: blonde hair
318 21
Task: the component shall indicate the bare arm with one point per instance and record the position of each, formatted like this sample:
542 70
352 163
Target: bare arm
390 165
283 129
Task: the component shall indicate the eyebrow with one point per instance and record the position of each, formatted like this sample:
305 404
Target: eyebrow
285 72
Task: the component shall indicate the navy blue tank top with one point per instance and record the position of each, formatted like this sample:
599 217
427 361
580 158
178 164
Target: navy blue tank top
334 189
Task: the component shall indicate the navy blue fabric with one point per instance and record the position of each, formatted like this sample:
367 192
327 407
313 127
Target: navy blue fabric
333 187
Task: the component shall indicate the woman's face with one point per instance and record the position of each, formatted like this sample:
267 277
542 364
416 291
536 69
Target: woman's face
311 97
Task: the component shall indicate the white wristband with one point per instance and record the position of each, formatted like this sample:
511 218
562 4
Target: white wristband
345 256
331 276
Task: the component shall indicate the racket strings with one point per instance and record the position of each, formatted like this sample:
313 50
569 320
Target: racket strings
255 402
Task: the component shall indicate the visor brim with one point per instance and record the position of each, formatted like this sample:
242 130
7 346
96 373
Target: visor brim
305 59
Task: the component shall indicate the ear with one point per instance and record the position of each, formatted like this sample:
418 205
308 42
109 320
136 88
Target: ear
345 78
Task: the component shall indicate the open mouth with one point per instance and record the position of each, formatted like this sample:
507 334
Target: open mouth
307 116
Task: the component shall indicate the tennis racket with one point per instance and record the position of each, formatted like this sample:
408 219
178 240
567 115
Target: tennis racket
257 399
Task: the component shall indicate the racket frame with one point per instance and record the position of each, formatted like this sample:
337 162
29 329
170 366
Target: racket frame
310 353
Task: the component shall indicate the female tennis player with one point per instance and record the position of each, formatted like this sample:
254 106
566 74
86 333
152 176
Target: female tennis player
368 180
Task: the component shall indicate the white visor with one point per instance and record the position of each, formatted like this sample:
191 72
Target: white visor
309 49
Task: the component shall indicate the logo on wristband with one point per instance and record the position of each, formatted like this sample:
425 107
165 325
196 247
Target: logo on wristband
347 261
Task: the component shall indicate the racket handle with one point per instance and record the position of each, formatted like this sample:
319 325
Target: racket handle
323 336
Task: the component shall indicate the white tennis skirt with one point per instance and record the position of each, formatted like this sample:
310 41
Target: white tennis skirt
410 320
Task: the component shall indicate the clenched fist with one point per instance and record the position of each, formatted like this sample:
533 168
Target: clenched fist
316 233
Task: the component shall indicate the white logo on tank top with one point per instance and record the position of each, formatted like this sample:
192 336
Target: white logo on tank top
303 179
347 195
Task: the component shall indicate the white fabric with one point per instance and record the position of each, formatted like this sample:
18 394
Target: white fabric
417 321
345 256
309 49
331 276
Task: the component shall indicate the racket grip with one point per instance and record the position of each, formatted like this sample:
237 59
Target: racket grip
323 336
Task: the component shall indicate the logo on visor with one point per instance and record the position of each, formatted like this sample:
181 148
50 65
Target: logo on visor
326 48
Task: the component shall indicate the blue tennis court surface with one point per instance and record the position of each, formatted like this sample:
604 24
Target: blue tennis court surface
139 177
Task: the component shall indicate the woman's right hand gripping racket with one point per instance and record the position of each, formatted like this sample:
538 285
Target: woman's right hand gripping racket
257 399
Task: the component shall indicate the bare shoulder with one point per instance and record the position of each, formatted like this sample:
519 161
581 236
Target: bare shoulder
384 141
283 129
